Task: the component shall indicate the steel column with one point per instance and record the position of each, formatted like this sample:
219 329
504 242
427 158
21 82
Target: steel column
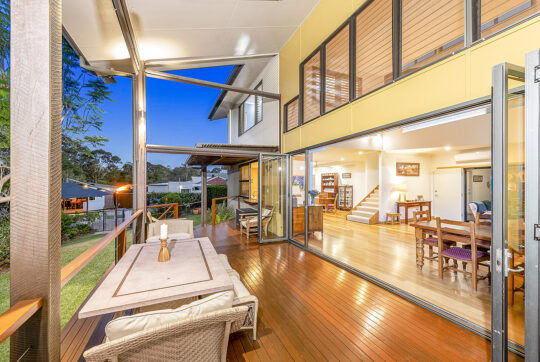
532 204
204 198
36 174
139 152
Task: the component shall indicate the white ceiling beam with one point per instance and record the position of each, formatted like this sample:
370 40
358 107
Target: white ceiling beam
127 31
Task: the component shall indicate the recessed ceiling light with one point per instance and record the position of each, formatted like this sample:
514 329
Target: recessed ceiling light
342 159
447 148
360 152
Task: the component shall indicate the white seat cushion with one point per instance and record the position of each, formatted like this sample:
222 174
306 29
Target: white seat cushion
252 220
124 326
172 237
224 261
240 289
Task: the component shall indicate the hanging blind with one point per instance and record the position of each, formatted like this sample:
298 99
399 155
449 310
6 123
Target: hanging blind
292 115
431 29
337 70
373 47
312 88
498 14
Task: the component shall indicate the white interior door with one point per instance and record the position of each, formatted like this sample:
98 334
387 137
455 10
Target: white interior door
448 194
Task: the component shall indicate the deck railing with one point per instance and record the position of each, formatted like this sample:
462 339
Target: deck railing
20 312
222 198
172 206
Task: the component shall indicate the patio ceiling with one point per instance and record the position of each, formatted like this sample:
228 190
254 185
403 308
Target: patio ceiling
186 32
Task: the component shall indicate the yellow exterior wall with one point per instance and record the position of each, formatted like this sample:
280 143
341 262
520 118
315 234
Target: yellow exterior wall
462 77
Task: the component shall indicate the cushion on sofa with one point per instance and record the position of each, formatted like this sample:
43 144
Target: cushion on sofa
224 261
240 289
124 326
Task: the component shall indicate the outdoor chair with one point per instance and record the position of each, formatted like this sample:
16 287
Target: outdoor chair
431 241
242 297
200 338
250 224
177 229
468 253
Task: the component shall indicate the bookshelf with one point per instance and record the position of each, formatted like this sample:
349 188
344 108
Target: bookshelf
329 190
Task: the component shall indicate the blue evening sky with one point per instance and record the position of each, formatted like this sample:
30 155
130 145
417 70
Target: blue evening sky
177 115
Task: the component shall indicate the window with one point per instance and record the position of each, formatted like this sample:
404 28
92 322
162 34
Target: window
291 115
431 29
311 95
498 14
249 180
336 85
373 47
244 181
250 112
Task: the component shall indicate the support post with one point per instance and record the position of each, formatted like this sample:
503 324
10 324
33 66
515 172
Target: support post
36 160
139 152
204 197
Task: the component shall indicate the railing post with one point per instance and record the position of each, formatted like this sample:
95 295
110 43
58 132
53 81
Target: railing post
213 212
176 211
121 244
238 201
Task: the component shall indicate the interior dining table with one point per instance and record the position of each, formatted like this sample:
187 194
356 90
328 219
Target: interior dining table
140 280
424 228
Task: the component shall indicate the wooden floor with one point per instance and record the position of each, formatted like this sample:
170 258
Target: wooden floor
388 252
312 310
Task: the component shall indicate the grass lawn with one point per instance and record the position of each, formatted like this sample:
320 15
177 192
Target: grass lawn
196 219
77 289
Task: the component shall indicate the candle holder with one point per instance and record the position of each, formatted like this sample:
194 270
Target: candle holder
163 252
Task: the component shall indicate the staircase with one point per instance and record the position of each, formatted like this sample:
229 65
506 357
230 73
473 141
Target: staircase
367 211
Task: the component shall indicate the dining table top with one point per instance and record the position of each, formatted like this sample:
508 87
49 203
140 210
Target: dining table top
139 280
483 231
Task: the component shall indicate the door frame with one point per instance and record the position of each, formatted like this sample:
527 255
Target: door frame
286 199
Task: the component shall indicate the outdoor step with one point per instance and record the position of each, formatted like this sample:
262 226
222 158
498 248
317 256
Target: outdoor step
362 213
364 220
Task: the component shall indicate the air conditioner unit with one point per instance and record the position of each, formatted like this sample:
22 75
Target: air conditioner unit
476 156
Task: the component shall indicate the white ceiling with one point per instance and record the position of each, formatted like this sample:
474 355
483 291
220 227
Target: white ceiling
184 29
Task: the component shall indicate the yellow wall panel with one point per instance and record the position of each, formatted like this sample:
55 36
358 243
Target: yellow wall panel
510 46
419 93
322 22
462 77
289 78
333 125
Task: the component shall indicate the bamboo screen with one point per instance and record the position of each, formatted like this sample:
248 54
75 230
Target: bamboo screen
312 88
292 115
373 47
337 70
498 14
431 29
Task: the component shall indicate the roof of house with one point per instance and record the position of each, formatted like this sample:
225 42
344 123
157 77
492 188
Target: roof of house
74 191
217 181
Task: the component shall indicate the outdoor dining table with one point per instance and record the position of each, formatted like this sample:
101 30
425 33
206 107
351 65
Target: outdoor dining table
139 280
424 228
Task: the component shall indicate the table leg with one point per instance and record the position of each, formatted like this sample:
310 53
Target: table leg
406 215
419 234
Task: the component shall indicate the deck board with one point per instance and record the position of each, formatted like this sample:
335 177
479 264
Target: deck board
310 309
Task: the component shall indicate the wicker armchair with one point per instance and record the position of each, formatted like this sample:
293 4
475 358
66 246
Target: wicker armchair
174 226
203 338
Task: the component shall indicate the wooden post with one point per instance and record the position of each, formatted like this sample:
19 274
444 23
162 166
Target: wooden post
36 179
121 244
176 211
204 197
213 212
139 152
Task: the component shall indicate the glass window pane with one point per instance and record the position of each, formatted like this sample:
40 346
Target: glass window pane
337 70
298 195
498 14
249 112
292 115
312 88
431 29
373 47
259 105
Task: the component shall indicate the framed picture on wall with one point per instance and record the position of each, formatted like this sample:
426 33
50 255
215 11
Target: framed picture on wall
407 169
478 178
298 181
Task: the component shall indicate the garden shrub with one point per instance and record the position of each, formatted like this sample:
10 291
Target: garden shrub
73 225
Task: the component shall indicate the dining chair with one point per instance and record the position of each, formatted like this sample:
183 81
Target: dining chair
463 233
431 240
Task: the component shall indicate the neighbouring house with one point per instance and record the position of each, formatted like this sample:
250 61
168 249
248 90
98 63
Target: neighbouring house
193 185
217 181
83 198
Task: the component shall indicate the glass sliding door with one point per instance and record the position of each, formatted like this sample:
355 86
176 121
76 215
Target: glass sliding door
273 200
515 210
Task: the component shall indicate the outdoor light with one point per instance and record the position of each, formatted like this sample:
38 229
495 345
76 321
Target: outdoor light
447 148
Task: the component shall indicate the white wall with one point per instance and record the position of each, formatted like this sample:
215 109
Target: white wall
371 173
357 180
416 185
298 169
265 132
97 204
481 190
